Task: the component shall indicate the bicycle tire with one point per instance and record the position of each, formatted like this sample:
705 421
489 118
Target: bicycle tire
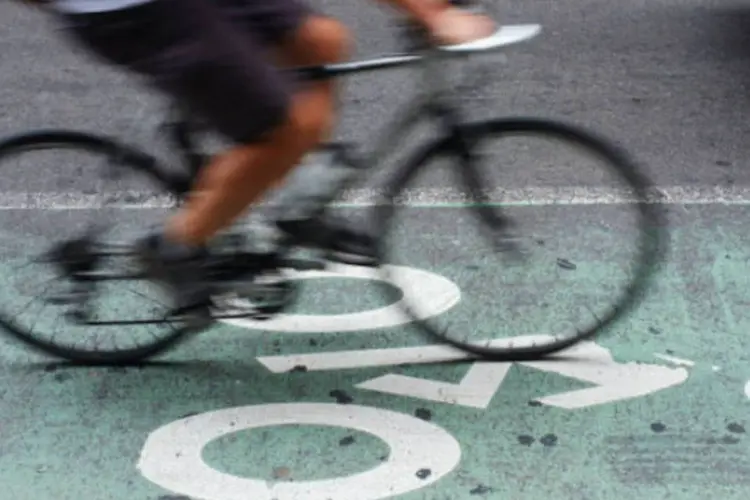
652 244
131 159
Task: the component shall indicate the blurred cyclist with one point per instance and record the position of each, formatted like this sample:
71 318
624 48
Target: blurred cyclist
219 58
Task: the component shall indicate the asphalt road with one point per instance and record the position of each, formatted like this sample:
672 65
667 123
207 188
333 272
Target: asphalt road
666 413
666 79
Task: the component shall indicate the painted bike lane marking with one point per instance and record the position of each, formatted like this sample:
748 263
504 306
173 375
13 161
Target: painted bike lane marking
172 455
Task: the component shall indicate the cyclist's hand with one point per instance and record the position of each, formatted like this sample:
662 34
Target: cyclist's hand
454 26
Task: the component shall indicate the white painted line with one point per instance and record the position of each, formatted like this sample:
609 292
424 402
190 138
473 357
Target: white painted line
674 360
426 197
343 360
747 389
609 381
83 201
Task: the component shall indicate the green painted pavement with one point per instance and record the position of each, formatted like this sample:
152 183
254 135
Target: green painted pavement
464 431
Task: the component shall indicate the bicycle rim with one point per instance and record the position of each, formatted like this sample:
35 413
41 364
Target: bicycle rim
649 241
130 161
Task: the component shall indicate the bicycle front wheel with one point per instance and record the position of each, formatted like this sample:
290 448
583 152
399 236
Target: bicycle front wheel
552 237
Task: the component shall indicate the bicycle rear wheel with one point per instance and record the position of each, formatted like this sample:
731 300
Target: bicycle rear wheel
482 323
32 290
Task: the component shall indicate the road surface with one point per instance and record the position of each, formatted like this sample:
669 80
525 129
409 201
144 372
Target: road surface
658 407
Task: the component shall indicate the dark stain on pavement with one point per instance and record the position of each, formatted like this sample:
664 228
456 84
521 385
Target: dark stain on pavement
342 397
736 428
346 441
658 427
566 264
423 413
424 473
480 490
526 440
548 440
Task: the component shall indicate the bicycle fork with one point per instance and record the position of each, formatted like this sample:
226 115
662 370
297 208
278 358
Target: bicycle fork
499 228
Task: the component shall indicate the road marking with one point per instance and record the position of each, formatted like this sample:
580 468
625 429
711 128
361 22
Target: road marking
172 454
417 197
586 362
439 295
613 381
475 390
366 358
674 360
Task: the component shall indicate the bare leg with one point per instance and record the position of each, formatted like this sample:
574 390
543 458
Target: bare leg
240 176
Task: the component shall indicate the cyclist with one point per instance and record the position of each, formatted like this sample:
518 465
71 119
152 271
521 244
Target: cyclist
221 59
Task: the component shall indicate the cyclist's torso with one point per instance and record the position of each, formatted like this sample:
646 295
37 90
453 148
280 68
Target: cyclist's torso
90 6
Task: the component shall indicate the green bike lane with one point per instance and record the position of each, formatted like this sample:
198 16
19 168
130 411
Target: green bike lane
656 409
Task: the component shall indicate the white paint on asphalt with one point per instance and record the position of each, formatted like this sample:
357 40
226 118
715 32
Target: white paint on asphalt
420 197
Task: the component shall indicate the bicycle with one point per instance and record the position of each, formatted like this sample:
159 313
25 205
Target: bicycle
79 260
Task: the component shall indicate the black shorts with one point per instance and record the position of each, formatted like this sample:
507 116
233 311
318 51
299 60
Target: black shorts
211 55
